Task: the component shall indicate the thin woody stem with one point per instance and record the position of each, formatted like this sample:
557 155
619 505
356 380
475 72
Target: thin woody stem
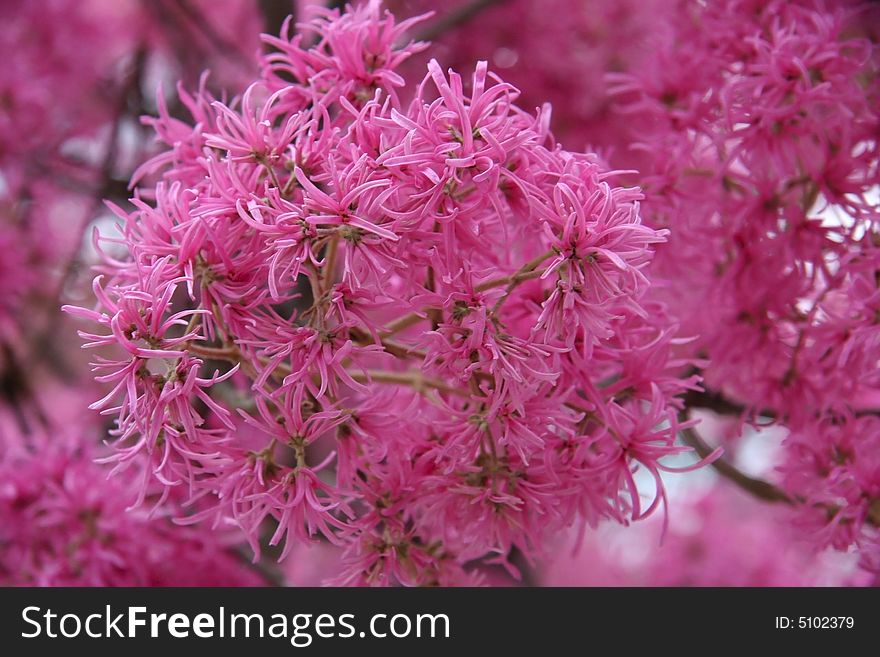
759 488
718 403
267 572
435 314
391 346
412 378
329 264
317 316
403 323
524 273
271 171
454 18
230 353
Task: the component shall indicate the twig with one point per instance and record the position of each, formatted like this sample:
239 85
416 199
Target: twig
412 378
329 264
270 575
761 489
524 273
402 323
718 403
275 12
758 487
527 272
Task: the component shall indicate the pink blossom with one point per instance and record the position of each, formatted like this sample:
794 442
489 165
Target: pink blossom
377 305
65 524
437 396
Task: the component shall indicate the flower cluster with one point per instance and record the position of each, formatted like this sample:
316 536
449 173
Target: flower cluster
396 317
758 141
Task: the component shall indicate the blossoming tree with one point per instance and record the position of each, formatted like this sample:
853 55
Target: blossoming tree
372 302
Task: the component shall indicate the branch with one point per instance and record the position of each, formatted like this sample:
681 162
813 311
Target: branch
715 401
391 346
329 264
527 272
127 100
269 574
413 378
404 322
274 13
718 403
454 18
524 273
758 487
763 490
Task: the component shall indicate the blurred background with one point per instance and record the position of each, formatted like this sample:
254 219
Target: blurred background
77 77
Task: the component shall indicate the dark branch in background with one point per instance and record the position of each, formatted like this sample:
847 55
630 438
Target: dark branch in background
715 401
718 403
521 563
192 38
454 18
129 102
270 574
181 44
759 488
222 45
16 390
125 101
275 12
444 23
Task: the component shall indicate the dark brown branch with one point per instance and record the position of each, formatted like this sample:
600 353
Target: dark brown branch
758 487
454 18
714 401
718 403
274 14
16 390
202 24
127 101
269 574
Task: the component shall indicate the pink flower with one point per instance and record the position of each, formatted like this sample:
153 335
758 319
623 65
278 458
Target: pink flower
427 316
65 524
